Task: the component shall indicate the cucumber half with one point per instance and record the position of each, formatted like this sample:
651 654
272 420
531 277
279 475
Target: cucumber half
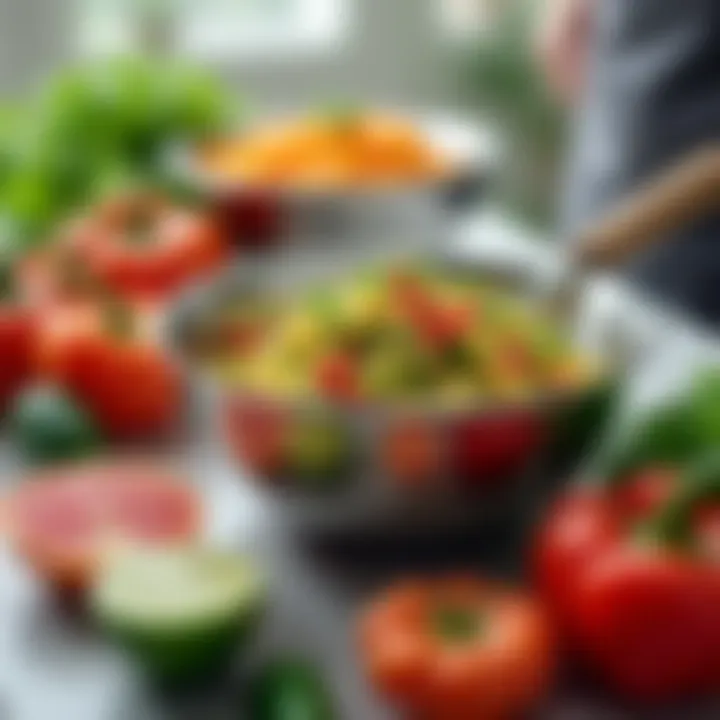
182 613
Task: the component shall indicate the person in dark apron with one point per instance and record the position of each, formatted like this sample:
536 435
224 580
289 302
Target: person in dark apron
644 79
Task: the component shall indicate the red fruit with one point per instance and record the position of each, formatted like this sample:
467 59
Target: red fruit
139 246
128 384
457 648
257 435
632 580
337 377
492 447
254 219
17 340
413 453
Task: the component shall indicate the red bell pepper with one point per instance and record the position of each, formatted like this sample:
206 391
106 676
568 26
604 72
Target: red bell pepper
632 576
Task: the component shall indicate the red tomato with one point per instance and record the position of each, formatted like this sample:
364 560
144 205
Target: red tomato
337 377
646 492
408 290
253 219
583 525
413 452
257 435
65 520
41 282
458 649
141 246
637 606
441 327
438 324
17 341
650 623
131 388
580 527
707 522
494 447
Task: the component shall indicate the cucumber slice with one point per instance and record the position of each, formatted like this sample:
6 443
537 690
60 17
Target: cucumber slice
181 612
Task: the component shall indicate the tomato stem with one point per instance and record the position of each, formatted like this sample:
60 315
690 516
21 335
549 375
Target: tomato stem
75 276
457 623
700 483
118 317
141 227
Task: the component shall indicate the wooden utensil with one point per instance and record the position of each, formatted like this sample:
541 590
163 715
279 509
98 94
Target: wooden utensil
689 190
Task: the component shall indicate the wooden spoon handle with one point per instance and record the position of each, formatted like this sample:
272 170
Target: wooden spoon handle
687 191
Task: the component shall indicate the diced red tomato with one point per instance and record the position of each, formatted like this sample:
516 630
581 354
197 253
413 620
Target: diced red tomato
438 324
413 452
441 327
337 377
257 435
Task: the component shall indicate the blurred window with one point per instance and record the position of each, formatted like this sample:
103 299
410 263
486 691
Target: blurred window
462 19
214 29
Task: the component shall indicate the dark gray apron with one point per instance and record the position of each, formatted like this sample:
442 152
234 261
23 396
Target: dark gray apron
653 95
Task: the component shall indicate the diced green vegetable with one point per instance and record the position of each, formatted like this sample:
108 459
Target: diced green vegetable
319 450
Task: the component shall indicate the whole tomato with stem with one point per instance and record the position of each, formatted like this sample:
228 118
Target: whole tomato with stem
457 648
104 356
17 340
632 577
583 521
139 244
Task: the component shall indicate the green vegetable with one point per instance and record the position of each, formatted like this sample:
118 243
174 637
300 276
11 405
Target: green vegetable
290 690
182 613
664 435
674 432
701 484
705 400
579 425
319 450
399 367
123 114
48 425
